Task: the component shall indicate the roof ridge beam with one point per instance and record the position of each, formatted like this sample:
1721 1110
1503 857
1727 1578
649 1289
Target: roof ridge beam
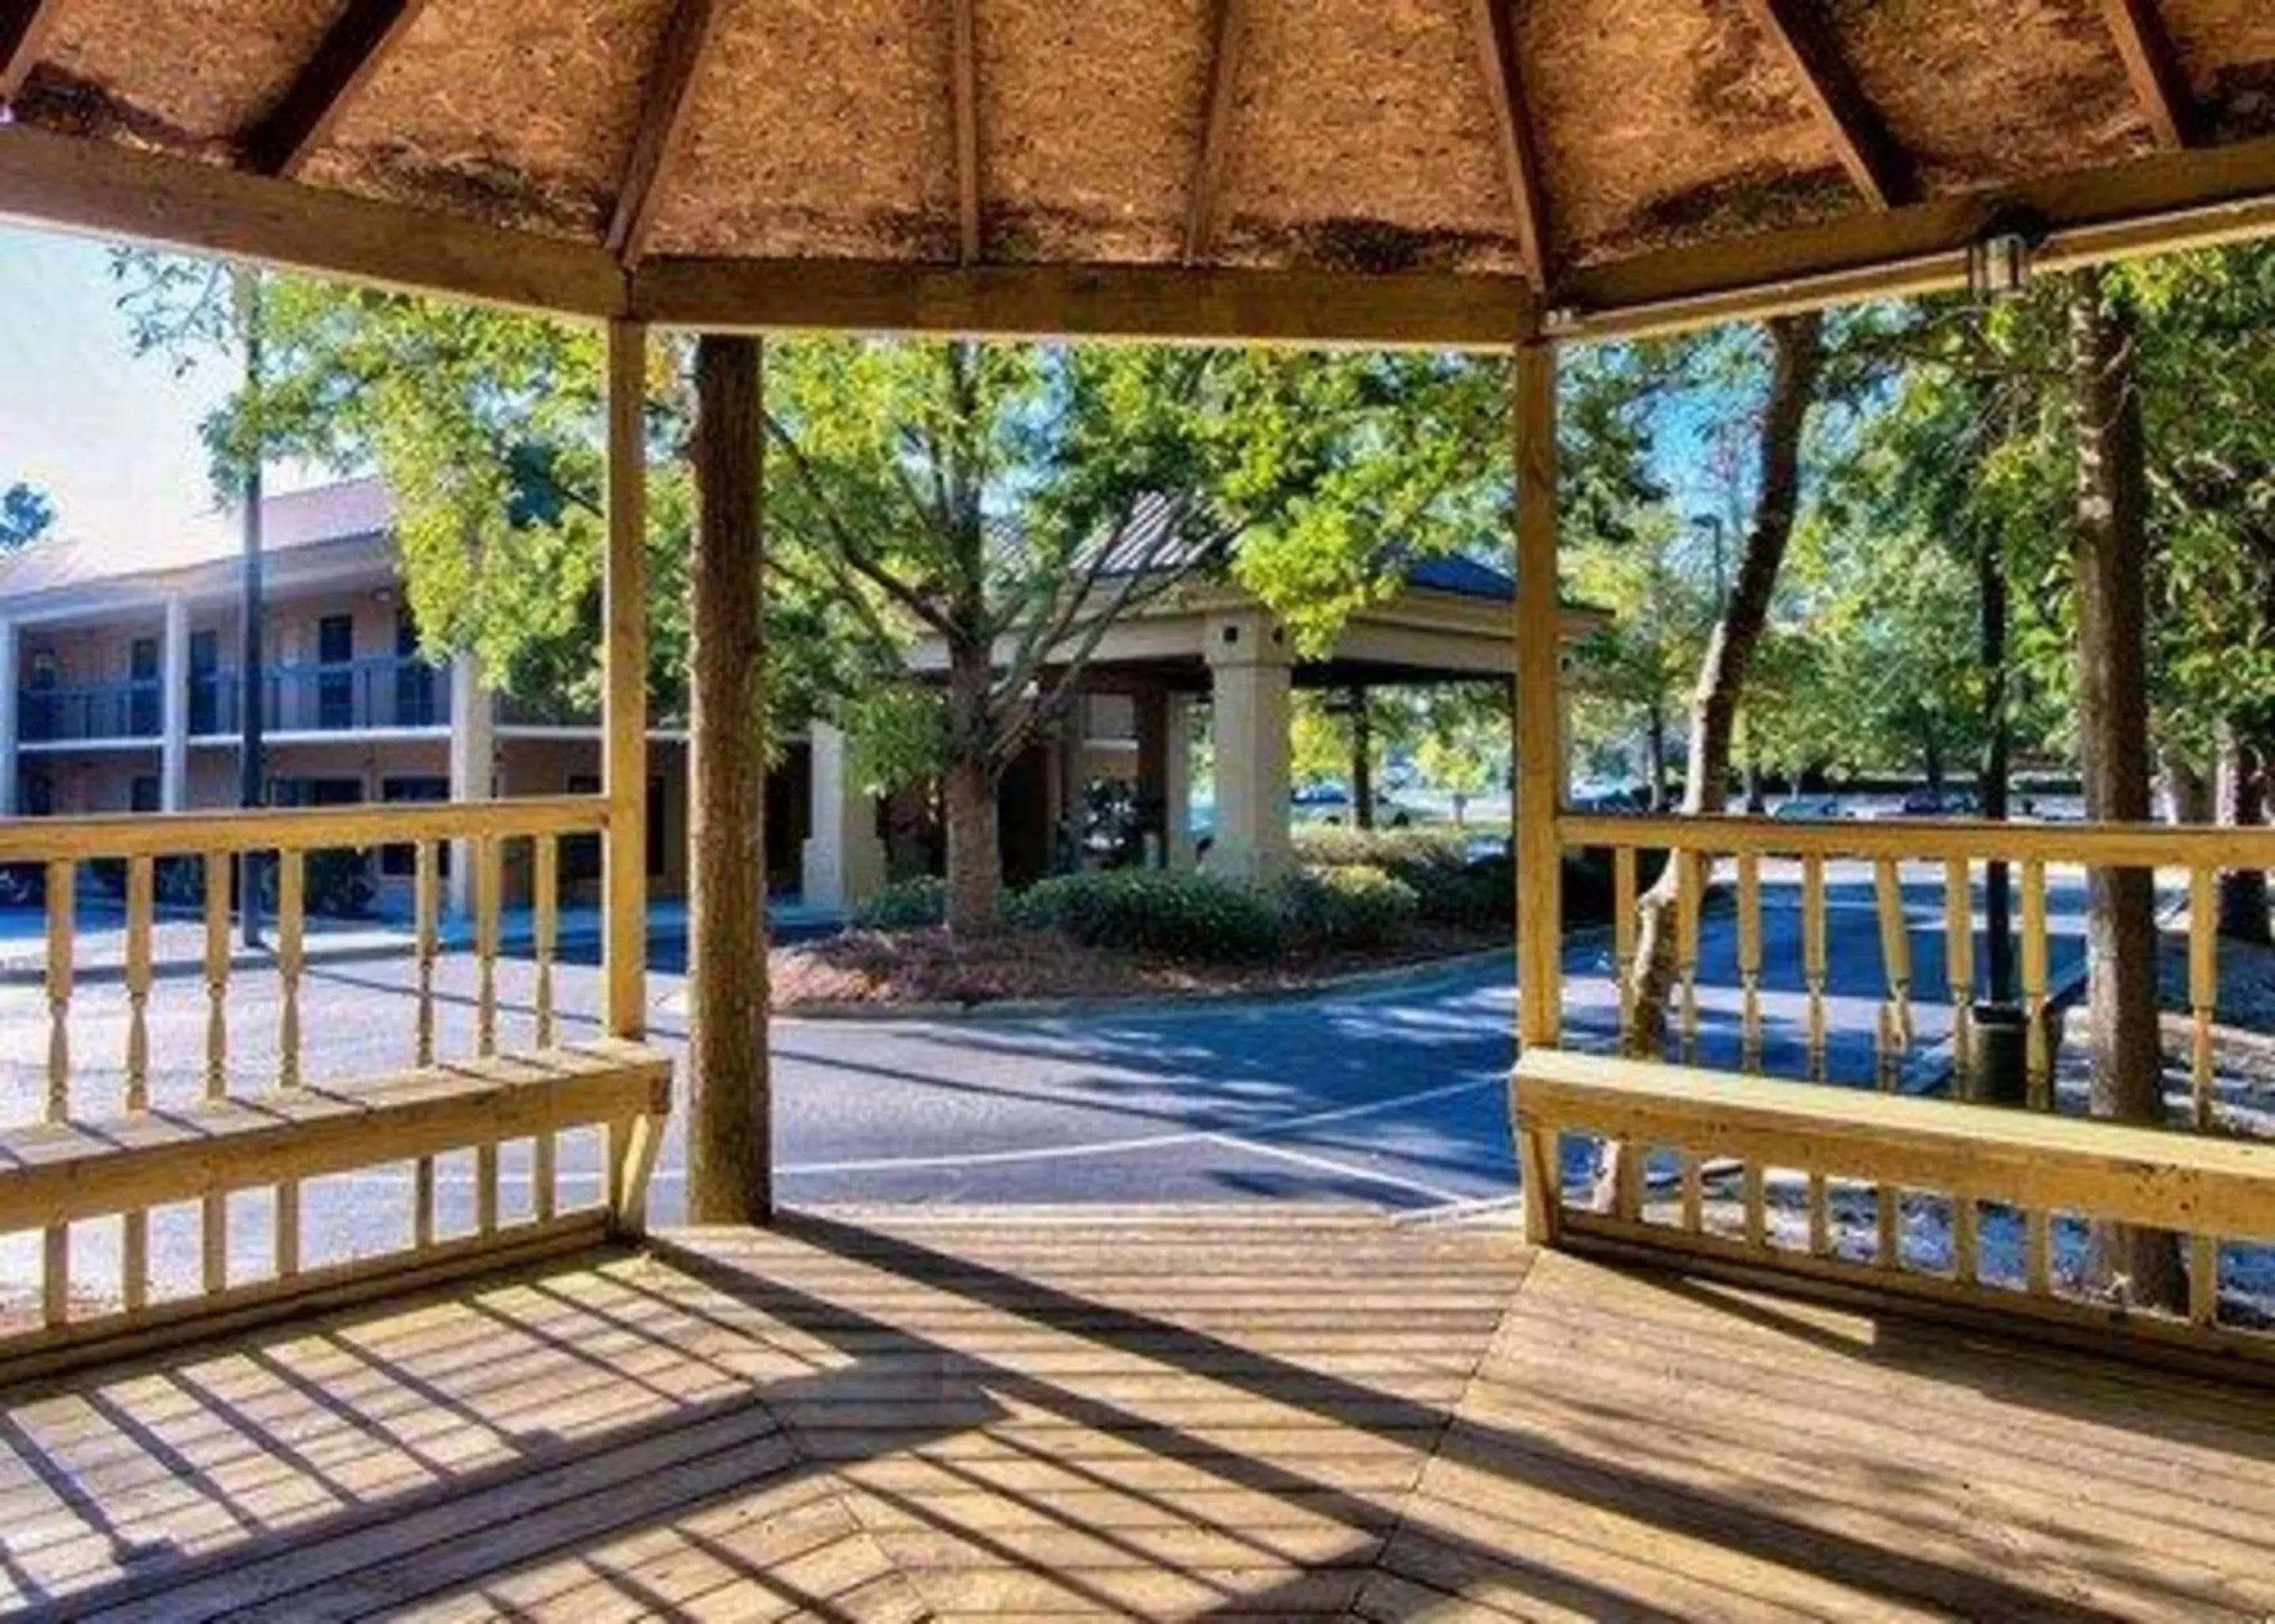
1496 57
669 92
1228 36
1861 141
2152 66
349 53
24 26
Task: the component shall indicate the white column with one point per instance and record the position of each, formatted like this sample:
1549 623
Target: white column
1249 675
10 679
844 859
174 709
1177 783
473 755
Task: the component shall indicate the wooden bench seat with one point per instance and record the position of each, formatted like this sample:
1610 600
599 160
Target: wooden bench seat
57 1172
2164 1178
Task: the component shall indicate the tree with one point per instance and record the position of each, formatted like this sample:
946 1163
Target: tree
2111 560
26 515
1797 360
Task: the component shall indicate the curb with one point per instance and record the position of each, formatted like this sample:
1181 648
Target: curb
1402 976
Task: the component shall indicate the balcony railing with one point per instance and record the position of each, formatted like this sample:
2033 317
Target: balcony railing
95 711
386 691
383 690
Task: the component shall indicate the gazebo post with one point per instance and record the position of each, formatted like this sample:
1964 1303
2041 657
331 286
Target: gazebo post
730 1142
623 739
1539 752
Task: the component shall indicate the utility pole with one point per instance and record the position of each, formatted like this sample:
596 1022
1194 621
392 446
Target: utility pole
250 786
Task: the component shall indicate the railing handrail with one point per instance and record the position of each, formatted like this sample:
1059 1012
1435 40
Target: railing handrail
2114 845
82 691
381 823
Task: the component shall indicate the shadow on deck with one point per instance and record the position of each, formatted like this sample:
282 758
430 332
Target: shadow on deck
1189 1415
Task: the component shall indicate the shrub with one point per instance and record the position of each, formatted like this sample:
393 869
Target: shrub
1188 915
1330 845
1355 906
905 904
1475 894
339 885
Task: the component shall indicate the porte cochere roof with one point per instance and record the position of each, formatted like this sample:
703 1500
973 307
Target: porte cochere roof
1418 170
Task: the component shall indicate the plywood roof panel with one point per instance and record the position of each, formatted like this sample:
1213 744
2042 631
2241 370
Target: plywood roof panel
819 127
525 115
2228 48
1980 92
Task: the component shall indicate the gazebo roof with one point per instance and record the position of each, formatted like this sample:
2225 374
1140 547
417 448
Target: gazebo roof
1370 170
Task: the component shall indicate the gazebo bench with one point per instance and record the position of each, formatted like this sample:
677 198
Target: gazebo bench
55 1174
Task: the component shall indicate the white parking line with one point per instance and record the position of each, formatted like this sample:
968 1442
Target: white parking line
1244 1139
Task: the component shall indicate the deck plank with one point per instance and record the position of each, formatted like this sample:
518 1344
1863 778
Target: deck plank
1102 1413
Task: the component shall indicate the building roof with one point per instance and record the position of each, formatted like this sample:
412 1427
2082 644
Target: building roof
347 510
1464 578
741 164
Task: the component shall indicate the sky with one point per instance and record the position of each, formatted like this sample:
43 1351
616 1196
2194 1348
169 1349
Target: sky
112 439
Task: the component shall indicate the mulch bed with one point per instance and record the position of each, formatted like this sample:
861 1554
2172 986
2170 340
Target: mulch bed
884 968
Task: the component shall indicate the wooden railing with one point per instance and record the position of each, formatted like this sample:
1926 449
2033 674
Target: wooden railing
1923 982
212 1098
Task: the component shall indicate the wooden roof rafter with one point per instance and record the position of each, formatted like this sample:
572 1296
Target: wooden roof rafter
350 53
1800 33
1228 36
687 35
963 74
2160 85
1502 67
24 26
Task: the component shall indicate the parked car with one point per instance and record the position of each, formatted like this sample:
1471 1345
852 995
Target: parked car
1808 808
1937 803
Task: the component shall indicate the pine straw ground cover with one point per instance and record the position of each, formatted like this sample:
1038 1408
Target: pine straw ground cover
928 966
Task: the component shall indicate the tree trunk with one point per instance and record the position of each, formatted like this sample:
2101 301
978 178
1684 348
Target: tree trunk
1798 343
975 852
729 1140
1655 735
1931 759
2192 795
2110 552
1362 761
2242 804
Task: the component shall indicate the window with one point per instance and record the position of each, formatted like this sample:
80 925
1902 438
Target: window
143 794
39 796
335 673
205 681
400 859
142 688
414 678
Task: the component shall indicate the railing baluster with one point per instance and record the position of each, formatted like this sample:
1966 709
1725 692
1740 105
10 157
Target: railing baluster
2038 1253
142 902
1959 965
2204 987
213 1247
1623 934
1689 881
486 944
488 883
1757 1201
546 907
292 893
1750 955
1895 959
1893 1034
1812 972
424 906
2035 978
54 1285
1812 956
1966 1241
2203 1280
1694 1192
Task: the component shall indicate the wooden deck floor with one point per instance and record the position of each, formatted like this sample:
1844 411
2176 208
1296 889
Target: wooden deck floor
1211 1417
